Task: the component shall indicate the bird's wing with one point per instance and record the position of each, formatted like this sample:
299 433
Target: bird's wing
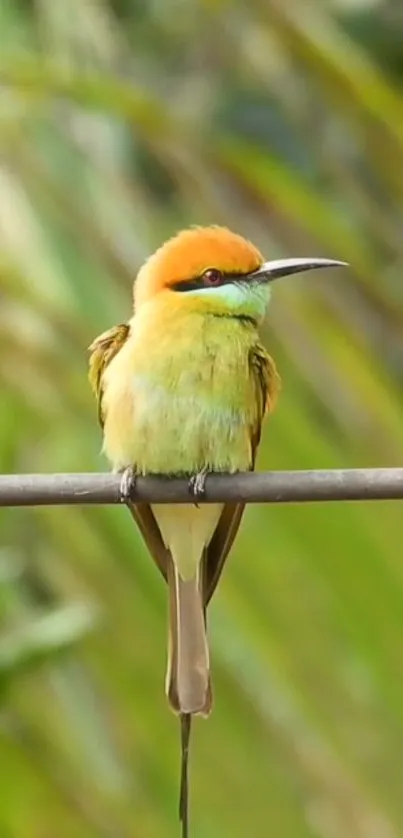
266 382
102 350
266 385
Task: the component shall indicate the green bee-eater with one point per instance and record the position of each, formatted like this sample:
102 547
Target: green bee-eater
183 388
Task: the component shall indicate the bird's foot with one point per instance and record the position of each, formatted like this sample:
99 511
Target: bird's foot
127 484
197 485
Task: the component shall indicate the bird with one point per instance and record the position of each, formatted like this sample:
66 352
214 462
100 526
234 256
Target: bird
183 388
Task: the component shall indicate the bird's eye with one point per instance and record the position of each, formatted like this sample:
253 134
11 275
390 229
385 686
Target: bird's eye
212 276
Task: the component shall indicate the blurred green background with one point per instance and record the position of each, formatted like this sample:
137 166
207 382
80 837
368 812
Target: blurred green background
120 122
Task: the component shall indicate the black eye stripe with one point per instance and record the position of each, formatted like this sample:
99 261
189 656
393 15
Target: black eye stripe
198 283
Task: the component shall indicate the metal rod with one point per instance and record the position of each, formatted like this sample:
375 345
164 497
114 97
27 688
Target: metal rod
258 487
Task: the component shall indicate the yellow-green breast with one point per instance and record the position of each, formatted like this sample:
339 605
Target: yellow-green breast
179 396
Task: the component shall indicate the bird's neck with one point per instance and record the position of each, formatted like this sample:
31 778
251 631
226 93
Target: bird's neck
177 337
169 311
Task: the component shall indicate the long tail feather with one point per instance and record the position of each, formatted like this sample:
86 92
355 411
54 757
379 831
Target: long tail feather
186 722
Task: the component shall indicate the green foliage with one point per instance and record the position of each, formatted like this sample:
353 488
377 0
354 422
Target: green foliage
120 122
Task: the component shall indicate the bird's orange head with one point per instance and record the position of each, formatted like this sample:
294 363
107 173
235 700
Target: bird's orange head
218 267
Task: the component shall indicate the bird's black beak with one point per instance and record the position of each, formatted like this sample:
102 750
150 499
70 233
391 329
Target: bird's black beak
285 267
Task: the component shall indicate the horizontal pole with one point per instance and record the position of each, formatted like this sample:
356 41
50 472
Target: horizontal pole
258 487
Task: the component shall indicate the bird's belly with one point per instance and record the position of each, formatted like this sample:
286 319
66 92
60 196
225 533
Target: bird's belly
169 432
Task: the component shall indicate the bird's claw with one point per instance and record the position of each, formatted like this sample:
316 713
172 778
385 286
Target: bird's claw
197 485
127 484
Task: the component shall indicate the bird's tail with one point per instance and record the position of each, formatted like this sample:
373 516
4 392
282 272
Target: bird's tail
188 683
